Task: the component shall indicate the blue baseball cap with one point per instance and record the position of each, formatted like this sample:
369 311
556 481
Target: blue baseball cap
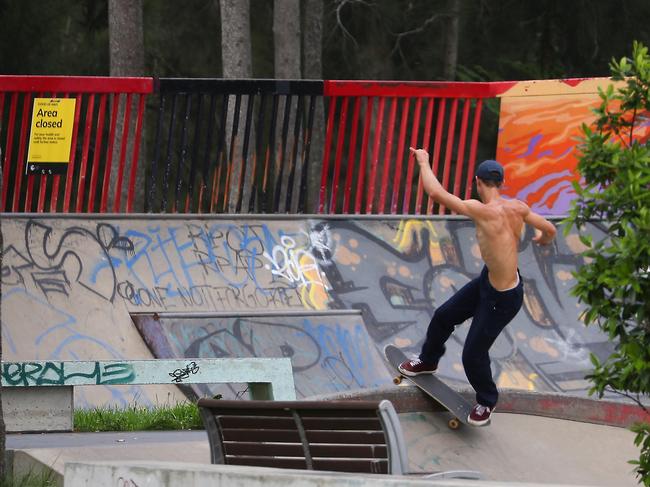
490 170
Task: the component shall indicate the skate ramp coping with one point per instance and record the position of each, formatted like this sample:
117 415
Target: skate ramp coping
39 395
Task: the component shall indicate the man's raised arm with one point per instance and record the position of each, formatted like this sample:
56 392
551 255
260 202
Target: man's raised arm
439 194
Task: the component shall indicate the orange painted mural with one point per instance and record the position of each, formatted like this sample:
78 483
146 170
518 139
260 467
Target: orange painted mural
539 131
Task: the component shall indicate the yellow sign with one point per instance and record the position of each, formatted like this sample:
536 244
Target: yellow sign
51 135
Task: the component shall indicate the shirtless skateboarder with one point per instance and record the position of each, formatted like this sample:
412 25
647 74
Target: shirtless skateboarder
492 299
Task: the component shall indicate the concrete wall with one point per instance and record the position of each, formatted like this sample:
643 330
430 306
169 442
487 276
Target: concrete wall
328 293
129 474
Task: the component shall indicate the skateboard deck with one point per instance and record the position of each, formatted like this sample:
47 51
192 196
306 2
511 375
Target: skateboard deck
434 387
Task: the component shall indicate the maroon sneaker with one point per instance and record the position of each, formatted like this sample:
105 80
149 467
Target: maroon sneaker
480 415
416 367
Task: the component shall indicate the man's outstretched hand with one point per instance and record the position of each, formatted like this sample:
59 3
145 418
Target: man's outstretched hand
421 156
541 238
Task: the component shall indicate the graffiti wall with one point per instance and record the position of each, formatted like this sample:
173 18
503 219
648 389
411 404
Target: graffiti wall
329 353
330 294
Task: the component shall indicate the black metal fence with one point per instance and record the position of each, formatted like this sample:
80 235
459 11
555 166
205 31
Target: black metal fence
229 146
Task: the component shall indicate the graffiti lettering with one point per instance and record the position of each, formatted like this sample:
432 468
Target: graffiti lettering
123 482
49 255
292 264
179 374
216 298
65 373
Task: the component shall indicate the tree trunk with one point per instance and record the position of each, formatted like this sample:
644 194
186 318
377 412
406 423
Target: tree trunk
286 55
126 49
126 38
236 60
451 41
313 69
286 38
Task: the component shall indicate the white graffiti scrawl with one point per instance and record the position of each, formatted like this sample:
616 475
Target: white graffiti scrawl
296 265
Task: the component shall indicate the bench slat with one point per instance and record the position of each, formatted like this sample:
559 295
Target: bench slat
246 411
347 437
265 422
251 422
332 406
295 450
295 463
280 436
330 414
335 465
351 465
292 436
342 424
335 415
263 449
349 451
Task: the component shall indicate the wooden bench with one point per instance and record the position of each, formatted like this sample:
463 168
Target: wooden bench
39 395
341 436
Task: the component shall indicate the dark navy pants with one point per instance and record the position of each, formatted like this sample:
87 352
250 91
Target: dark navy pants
491 310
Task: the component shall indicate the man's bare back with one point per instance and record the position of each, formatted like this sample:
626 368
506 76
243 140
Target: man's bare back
498 229
499 223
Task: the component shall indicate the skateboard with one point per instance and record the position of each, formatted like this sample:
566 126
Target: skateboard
434 387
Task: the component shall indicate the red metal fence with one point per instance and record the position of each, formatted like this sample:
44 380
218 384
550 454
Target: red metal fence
366 166
108 121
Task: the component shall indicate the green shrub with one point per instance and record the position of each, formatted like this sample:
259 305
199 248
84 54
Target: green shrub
615 281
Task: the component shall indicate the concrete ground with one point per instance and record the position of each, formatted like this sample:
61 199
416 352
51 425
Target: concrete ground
515 448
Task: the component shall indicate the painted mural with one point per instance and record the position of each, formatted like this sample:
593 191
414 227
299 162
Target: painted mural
539 131
329 293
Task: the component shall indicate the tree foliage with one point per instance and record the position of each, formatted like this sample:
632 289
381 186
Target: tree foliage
615 281
498 39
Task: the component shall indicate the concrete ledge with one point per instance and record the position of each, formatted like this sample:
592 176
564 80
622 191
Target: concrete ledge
276 372
37 408
38 395
166 474
408 398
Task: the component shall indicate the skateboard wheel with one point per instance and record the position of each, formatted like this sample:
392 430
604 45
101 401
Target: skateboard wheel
453 423
397 380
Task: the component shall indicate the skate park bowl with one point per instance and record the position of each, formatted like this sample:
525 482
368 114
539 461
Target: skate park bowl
326 292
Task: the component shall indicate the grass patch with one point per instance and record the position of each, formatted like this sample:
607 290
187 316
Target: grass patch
32 479
182 416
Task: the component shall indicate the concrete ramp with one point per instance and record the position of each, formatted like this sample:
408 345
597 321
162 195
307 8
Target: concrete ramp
330 352
515 448
520 448
329 292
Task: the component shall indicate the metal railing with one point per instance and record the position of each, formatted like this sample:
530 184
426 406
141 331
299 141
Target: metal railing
105 146
243 146
231 146
370 126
